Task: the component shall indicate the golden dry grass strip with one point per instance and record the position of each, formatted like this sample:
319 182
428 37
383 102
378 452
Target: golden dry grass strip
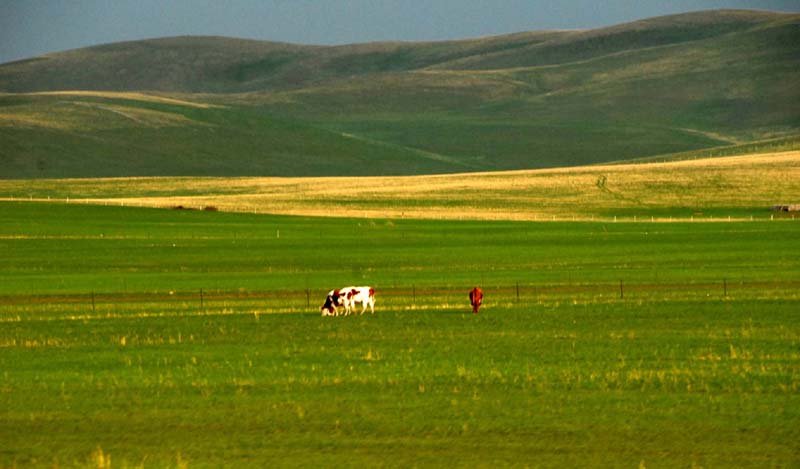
136 96
580 193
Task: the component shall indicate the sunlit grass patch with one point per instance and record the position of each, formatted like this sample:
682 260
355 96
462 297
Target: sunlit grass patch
716 189
84 115
134 96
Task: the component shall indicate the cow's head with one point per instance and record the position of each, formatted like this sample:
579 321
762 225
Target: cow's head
327 309
331 301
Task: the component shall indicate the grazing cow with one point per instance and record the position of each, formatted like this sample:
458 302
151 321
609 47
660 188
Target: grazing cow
475 299
334 299
348 297
363 295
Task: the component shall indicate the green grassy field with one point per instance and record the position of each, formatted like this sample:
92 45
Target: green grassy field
108 358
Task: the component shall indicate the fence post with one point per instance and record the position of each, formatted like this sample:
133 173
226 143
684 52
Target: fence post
517 291
621 292
308 298
92 301
413 294
725 287
201 298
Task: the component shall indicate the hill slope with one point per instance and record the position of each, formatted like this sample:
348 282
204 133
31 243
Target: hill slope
92 134
528 100
225 65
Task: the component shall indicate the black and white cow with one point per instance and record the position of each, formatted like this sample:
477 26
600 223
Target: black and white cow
349 297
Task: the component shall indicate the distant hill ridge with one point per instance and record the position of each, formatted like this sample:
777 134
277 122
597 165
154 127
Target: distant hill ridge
528 100
226 65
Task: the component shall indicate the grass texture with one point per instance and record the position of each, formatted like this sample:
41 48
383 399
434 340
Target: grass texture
684 370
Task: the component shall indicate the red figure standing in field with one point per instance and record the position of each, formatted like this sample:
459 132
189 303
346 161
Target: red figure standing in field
475 299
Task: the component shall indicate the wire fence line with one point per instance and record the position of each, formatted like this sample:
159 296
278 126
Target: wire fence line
409 294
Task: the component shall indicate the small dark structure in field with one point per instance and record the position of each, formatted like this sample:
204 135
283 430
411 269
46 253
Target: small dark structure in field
475 299
786 208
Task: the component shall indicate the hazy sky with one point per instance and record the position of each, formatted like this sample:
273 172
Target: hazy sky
33 27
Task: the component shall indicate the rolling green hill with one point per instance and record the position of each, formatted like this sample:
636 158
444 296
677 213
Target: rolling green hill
529 100
193 64
96 135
